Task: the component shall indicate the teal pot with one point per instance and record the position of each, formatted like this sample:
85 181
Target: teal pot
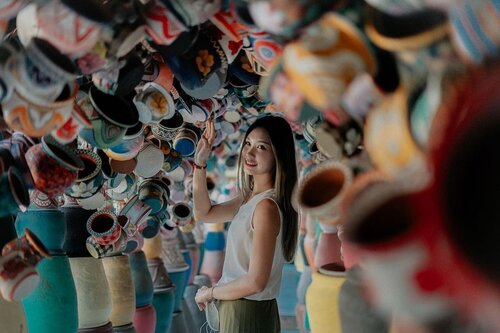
129 328
178 277
194 254
94 298
12 318
189 262
202 256
76 218
52 307
163 302
145 319
143 282
107 328
195 315
121 286
8 230
47 224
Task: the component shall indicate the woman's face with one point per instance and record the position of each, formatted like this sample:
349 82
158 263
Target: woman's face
257 153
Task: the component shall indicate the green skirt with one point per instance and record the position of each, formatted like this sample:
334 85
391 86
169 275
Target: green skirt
247 316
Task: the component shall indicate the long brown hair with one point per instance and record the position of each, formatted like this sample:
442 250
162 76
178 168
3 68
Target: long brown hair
285 177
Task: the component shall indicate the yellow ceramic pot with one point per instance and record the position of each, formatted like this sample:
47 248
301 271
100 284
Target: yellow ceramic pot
388 139
322 300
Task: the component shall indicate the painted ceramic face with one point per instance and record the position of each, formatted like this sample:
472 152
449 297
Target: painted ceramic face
258 156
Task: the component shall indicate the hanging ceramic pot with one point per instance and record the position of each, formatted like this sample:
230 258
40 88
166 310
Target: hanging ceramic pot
322 189
163 302
93 295
54 167
89 180
52 306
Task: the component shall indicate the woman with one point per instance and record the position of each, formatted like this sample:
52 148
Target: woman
263 231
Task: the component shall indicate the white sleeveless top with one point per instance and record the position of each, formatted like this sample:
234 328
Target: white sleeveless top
239 248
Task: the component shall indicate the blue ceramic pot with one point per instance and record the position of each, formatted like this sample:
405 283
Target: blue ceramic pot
163 303
178 278
189 262
215 241
143 283
47 224
52 306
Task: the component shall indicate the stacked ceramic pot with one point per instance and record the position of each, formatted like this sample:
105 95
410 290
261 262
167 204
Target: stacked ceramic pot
54 301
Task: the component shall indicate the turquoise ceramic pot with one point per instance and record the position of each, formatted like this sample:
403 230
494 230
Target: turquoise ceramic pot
47 224
189 262
178 277
52 306
215 241
163 303
202 255
143 283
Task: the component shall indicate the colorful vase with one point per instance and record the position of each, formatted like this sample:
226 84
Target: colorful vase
92 289
52 307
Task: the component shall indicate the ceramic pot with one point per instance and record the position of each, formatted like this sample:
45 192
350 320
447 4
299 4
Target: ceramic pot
159 275
17 277
34 116
145 319
401 257
322 189
308 61
52 306
93 295
322 299
104 228
89 180
214 255
53 167
121 286
163 303
47 224
152 247
143 282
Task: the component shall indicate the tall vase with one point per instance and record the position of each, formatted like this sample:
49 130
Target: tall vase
47 224
143 283
322 299
175 264
12 318
121 286
52 307
94 298
163 302
164 296
213 259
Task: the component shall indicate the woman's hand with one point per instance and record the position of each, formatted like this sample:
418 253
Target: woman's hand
203 296
204 147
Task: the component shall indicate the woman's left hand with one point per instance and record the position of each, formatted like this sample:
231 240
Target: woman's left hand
203 296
